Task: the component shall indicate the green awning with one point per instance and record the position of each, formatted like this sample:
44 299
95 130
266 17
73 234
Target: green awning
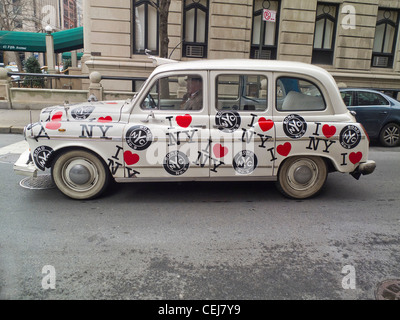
67 55
22 41
66 40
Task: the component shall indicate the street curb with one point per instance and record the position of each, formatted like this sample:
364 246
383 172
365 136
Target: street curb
4 129
19 130
11 129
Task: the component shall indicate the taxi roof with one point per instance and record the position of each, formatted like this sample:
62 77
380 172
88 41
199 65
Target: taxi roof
242 64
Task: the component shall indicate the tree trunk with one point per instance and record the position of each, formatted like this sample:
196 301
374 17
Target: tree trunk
13 56
163 27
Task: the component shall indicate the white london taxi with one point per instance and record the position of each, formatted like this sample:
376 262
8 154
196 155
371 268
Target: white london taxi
208 120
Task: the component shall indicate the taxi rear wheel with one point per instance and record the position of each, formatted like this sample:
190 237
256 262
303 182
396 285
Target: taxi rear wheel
302 177
80 174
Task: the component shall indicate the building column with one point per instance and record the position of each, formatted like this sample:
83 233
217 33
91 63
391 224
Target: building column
50 53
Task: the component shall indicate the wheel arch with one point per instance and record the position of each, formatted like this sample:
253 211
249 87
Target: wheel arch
331 164
395 121
67 148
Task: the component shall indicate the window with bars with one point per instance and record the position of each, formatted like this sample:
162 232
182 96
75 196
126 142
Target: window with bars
264 33
325 33
195 24
385 38
145 29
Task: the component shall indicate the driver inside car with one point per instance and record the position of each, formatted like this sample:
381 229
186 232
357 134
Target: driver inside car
193 99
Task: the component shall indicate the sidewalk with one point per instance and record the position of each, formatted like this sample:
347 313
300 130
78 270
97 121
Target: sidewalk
14 121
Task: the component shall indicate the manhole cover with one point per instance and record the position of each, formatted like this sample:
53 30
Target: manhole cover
41 182
388 290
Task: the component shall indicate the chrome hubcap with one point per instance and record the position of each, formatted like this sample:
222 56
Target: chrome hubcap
392 135
302 174
79 174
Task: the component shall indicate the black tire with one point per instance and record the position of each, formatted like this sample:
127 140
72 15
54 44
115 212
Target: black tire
80 174
390 135
302 177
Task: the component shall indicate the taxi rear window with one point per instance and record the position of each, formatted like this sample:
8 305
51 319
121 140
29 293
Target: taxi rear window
295 94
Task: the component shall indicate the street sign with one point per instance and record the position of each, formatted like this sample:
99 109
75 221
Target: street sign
269 15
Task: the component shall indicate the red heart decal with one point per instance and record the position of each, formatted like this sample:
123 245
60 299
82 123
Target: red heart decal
131 158
284 149
355 157
105 119
328 130
219 150
57 116
265 124
54 124
184 121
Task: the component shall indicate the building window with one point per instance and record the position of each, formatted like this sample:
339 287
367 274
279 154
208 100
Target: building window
264 33
195 24
325 32
145 27
385 38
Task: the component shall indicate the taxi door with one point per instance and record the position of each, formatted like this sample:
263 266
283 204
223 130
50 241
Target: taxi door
241 125
168 128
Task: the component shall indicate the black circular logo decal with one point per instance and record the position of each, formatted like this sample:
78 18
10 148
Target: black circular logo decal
176 163
82 113
139 137
41 155
350 137
294 126
245 162
228 121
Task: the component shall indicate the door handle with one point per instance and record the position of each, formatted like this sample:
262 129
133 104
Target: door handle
201 126
150 115
383 112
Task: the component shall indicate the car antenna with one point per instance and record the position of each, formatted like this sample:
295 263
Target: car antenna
175 48
30 120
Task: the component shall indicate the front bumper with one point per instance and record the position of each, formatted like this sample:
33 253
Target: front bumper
25 166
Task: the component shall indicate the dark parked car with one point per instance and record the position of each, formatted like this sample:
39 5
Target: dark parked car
377 112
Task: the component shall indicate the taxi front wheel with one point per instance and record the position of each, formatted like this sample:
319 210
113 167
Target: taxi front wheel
80 174
302 177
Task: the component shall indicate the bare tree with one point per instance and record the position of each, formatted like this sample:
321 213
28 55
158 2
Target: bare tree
163 11
13 13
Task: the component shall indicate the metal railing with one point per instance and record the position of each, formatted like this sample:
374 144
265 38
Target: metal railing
45 76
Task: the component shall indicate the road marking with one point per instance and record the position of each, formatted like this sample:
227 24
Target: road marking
18 147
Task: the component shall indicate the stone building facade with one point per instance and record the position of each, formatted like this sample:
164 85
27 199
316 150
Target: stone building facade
356 40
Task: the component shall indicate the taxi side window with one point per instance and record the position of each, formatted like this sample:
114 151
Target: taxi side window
182 92
241 92
294 94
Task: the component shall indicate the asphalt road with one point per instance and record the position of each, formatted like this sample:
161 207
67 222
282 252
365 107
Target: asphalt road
201 240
